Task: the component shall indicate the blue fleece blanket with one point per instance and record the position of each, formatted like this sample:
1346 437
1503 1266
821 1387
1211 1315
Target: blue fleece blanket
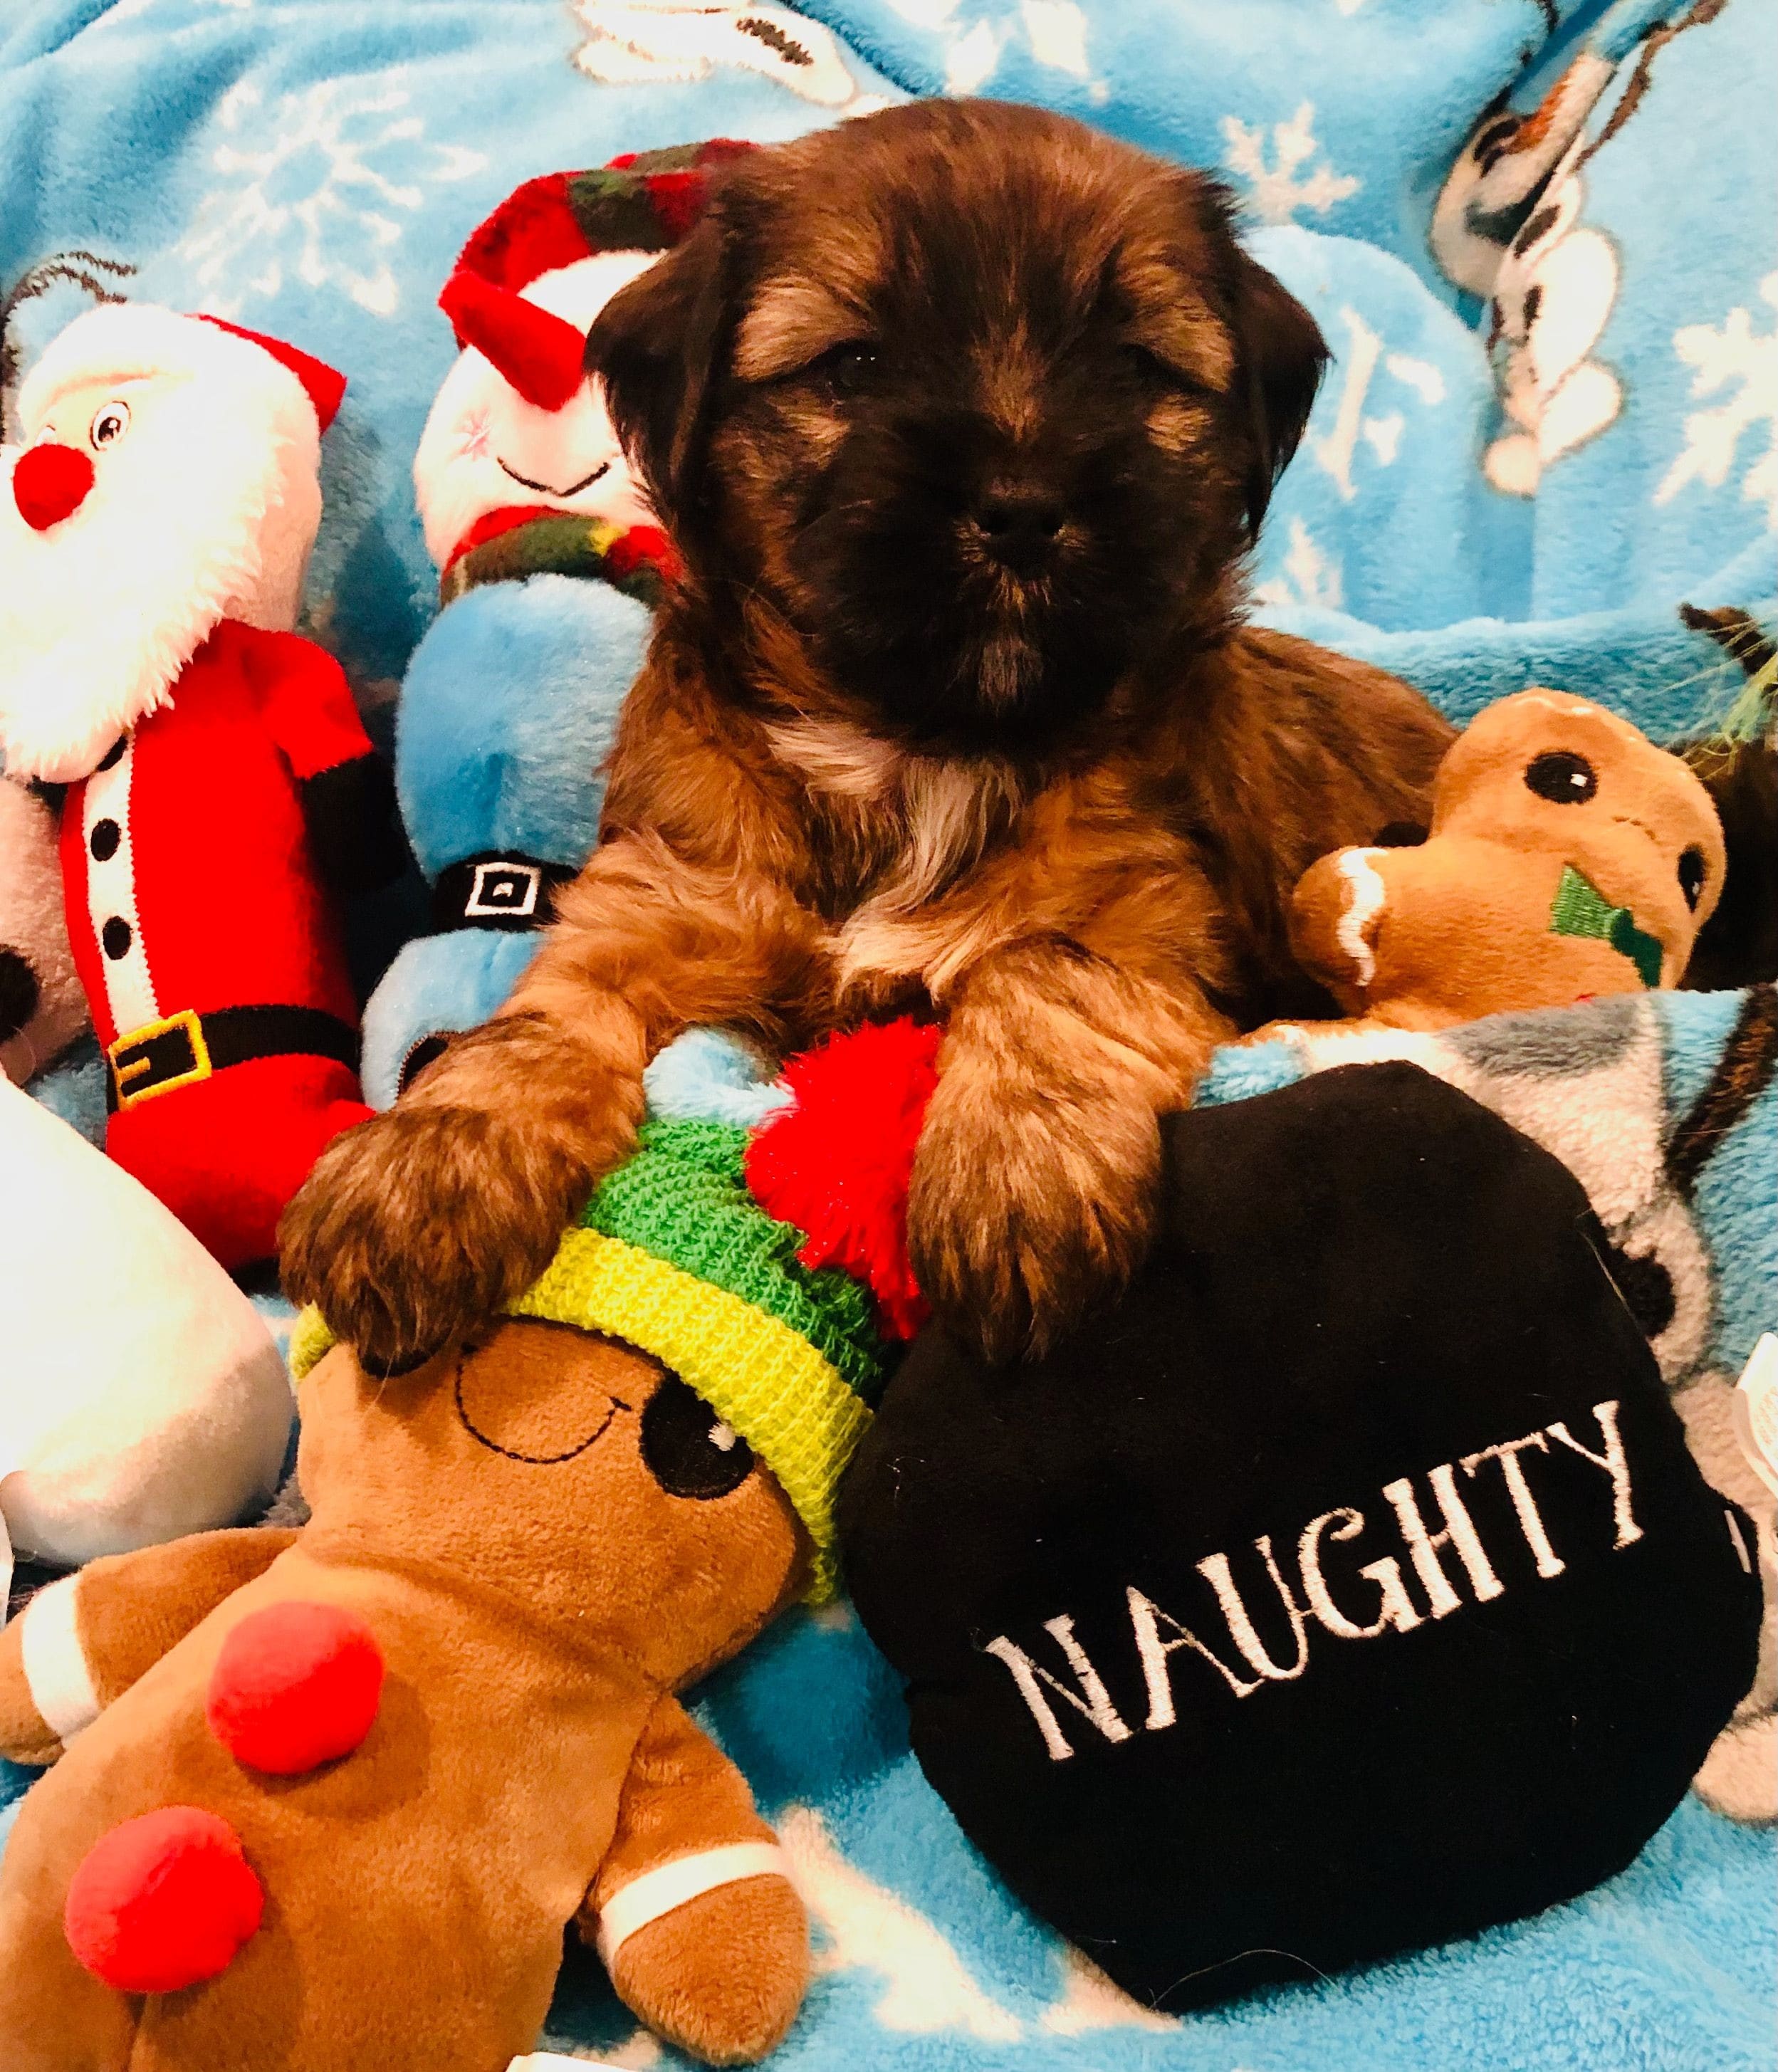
1538 235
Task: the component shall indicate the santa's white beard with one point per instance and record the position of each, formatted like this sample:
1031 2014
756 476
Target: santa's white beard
99 613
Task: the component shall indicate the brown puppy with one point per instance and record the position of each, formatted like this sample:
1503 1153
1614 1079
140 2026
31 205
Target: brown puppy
964 417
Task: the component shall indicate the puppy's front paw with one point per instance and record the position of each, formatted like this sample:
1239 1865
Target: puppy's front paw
422 1222
723 1975
1021 1220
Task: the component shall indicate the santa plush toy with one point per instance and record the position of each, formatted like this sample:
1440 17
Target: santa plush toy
155 524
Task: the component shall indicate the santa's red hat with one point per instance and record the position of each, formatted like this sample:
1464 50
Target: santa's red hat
136 341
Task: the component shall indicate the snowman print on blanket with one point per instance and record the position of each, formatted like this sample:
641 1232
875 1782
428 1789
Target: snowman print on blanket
1553 297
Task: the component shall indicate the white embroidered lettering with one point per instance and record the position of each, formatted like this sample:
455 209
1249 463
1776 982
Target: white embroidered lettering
1093 1701
1459 1532
1615 1464
1145 1621
1397 1607
1550 1563
1215 1570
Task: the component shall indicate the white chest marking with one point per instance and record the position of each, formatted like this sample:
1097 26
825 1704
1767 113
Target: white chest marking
111 894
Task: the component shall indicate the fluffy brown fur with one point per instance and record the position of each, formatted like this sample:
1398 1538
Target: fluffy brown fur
964 417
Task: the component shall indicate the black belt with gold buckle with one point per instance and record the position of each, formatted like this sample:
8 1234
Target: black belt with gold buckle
181 1049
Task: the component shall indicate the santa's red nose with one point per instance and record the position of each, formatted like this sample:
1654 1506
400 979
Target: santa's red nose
49 483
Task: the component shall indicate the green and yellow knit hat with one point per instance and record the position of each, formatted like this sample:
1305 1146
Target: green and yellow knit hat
779 1317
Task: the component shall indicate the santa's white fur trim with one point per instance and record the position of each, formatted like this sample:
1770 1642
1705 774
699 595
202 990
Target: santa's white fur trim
206 509
130 341
477 422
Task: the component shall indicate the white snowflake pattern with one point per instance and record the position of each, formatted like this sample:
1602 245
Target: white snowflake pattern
1733 355
125 10
1274 189
1306 575
319 184
1333 450
1056 32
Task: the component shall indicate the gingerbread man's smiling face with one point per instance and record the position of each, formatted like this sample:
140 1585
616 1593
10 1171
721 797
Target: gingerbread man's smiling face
1542 773
569 1470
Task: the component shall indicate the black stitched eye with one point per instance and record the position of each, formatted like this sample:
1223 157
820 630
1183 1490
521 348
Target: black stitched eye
848 369
1564 779
1691 876
687 1448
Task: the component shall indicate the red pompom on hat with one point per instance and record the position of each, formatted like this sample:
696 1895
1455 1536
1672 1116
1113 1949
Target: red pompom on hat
162 1902
837 1165
295 1685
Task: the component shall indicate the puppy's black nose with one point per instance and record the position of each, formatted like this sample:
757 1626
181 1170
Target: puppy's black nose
1018 522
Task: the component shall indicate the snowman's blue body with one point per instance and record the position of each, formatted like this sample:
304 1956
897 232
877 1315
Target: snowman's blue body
507 714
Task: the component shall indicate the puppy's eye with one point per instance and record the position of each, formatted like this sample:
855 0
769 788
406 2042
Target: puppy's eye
1158 373
109 426
845 370
1691 876
1563 779
687 1448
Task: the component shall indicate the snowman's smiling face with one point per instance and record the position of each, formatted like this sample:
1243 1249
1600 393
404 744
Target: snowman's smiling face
487 448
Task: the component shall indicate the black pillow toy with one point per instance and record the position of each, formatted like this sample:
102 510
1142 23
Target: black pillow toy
1349 1588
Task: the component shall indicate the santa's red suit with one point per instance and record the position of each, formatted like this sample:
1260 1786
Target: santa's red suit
208 946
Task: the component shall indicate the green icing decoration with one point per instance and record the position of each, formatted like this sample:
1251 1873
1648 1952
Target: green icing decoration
1581 909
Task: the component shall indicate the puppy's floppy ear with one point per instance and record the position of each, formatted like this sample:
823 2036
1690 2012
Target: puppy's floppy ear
1280 358
659 346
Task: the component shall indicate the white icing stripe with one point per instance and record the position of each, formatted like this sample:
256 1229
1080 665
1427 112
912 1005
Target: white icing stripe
1369 892
670 1884
111 896
55 1665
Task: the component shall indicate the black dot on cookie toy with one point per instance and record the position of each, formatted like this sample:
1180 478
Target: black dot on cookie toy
103 840
687 1448
116 935
19 993
1563 778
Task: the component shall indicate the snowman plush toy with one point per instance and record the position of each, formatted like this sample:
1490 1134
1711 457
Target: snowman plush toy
550 564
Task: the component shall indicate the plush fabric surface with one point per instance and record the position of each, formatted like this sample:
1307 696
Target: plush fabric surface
1216 1747
311 167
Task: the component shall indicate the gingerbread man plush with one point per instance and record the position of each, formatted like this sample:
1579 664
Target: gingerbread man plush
317 1795
1568 856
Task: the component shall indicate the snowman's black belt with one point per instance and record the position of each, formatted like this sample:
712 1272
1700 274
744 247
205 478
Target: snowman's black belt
498 889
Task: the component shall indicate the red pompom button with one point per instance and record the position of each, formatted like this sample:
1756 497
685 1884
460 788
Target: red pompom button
162 1902
295 1686
50 482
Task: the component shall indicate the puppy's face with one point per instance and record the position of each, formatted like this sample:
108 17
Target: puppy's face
983 405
